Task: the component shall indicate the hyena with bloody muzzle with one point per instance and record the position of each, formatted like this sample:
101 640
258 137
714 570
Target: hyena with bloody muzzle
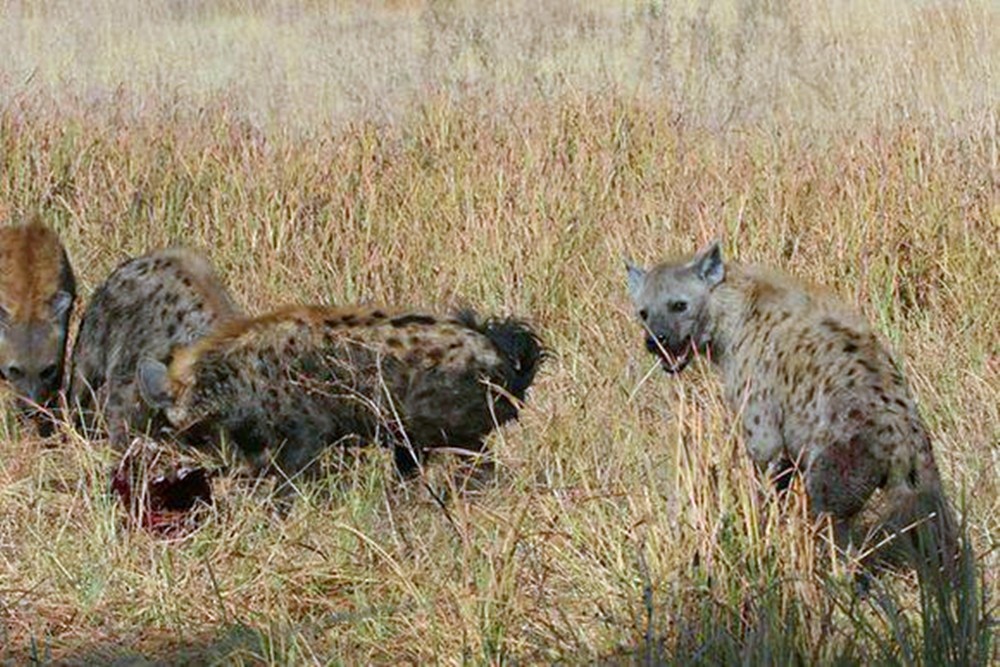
286 385
814 386
146 308
37 291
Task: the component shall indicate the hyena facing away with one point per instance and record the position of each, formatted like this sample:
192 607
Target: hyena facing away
148 306
292 382
814 386
37 290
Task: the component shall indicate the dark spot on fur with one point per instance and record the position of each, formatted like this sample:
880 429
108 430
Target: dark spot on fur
332 322
850 348
435 354
901 403
394 343
171 330
882 397
454 345
867 365
378 314
756 420
412 319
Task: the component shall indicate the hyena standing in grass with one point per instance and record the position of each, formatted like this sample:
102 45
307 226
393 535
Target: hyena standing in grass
146 308
37 290
814 386
285 385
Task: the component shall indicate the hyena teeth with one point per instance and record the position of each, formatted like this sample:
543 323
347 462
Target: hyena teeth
813 383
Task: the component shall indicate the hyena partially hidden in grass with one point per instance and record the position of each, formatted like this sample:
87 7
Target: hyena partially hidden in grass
285 385
37 290
815 388
146 308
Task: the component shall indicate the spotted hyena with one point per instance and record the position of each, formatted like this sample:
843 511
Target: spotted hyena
146 308
287 384
814 386
37 291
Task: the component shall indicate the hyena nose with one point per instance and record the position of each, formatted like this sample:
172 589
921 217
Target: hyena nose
34 391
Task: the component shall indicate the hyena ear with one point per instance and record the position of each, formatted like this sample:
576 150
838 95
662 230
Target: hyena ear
709 266
636 277
154 383
61 303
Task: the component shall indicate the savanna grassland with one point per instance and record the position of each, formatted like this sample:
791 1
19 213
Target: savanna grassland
508 156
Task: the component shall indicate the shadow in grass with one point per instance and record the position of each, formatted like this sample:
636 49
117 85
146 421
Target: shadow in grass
952 624
235 645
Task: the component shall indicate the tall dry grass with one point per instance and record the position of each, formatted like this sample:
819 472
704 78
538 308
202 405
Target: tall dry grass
507 156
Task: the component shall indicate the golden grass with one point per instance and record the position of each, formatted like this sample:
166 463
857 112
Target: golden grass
508 156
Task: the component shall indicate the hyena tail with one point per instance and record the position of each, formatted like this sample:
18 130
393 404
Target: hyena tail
518 345
921 523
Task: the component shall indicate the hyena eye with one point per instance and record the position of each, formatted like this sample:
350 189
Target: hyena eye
49 374
678 306
12 373
644 314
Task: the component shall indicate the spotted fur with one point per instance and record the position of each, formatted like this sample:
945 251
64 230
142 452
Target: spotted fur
147 307
285 385
37 291
811 381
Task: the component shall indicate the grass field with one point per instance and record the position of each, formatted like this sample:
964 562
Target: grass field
508 156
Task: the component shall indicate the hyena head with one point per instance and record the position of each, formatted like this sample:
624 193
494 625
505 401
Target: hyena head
671 299
37 290
162 388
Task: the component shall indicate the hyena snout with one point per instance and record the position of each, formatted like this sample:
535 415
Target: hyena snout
34 386
674 354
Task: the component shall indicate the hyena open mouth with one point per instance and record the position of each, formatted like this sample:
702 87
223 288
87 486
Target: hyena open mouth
672 361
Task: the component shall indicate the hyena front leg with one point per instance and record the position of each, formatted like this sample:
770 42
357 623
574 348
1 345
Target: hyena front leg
766 444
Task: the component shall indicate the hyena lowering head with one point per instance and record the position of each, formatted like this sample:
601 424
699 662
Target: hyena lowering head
288 384
812 383
146 308
37 291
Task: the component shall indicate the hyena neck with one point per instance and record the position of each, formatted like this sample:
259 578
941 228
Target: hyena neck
728 308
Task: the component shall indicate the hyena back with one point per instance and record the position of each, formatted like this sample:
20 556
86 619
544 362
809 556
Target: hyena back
293 382
146 308
813 384
37 290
